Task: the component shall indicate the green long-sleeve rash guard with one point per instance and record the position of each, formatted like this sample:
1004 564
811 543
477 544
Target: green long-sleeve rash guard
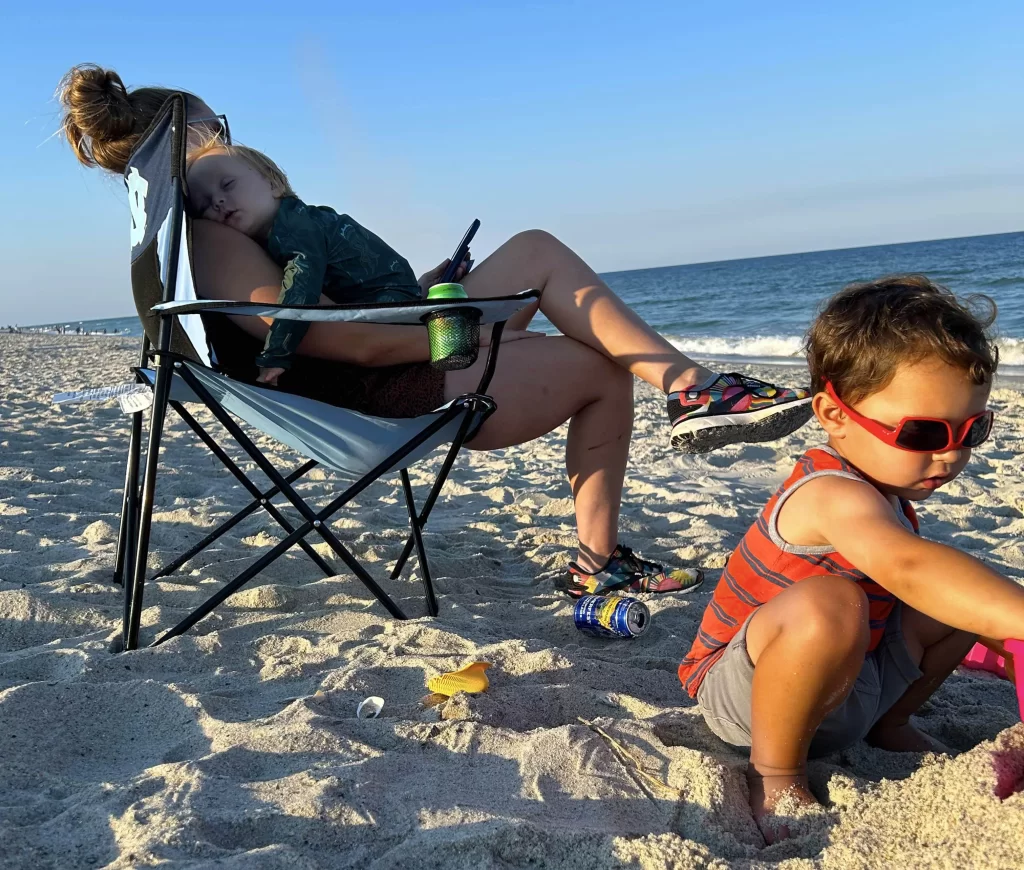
323 252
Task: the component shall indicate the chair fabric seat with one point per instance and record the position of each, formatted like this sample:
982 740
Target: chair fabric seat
351 443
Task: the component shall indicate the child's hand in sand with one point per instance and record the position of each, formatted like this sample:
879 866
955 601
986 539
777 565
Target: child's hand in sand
269 376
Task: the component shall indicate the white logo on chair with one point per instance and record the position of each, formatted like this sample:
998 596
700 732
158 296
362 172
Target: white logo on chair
137 189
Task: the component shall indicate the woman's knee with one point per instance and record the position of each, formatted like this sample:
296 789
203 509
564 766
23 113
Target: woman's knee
547 380
620 380
537 244
605 380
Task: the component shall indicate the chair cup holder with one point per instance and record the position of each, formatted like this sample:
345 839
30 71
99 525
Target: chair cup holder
454 335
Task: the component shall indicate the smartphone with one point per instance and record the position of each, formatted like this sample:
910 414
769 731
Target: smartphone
460 253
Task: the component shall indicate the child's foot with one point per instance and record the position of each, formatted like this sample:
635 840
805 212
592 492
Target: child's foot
770 790
626 571
904 738
733 408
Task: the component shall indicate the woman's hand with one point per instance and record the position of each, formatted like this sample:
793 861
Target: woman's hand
429 279
507 335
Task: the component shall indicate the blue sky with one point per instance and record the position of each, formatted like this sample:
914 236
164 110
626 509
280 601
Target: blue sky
643 134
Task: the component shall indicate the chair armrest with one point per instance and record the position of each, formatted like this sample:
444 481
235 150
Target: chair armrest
492 310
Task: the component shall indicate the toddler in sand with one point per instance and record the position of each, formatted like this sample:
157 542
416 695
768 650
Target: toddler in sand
320 250
834 620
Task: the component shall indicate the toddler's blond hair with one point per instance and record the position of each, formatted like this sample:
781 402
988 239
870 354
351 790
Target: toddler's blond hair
256 159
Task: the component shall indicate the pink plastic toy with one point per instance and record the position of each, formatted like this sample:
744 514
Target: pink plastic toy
1008 763
981 658
984 659
1016 649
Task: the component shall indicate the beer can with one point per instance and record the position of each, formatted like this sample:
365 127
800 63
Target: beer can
453 333
611 616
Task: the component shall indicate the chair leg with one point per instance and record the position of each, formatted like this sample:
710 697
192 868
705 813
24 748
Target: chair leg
313 519
435 490
229 588
129 503
391 461
266 559
130 530
134 589
428 586
130 549
260 499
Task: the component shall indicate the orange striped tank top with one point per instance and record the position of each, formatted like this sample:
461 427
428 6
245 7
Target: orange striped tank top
764 564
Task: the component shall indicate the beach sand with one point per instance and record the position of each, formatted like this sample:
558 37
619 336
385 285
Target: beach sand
237 745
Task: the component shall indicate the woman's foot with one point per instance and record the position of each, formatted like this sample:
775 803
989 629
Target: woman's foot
773 796
732 409
625 571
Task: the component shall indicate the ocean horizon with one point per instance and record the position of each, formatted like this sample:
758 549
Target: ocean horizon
756 309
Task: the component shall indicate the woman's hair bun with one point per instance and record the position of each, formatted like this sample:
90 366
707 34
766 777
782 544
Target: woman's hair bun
96 102
100 119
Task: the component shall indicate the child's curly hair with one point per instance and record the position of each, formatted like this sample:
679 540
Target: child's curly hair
867 329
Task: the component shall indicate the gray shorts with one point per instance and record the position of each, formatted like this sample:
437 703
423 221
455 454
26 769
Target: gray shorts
724 695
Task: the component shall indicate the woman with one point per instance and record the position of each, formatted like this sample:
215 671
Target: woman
584 376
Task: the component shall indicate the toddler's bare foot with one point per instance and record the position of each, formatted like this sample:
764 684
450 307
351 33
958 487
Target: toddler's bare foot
904 738
768 788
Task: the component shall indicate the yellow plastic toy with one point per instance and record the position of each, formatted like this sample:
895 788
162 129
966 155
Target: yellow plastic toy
470 679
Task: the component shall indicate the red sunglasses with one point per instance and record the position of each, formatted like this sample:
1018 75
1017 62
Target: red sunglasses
923 434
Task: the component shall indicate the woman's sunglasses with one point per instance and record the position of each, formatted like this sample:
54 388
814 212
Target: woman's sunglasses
923 434
216 124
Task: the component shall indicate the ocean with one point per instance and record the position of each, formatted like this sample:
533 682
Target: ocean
756 310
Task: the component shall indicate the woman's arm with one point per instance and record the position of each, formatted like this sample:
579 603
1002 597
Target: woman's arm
230 265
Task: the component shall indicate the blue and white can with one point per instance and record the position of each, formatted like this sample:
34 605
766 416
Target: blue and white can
611 616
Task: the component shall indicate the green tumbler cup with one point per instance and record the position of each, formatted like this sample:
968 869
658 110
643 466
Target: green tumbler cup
454 332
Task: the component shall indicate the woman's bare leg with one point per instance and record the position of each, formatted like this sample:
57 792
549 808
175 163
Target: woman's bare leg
706 410
583 307
229 265
594 394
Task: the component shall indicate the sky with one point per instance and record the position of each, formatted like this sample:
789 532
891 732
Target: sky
642 134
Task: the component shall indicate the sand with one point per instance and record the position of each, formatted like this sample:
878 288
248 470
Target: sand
237 745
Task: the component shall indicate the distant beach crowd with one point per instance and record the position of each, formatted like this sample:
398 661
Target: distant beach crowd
60 330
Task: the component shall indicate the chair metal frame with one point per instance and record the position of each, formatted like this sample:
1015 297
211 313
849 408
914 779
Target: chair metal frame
160 365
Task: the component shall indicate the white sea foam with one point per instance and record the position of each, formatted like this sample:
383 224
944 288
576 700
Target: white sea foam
1011 351
788 349
781 348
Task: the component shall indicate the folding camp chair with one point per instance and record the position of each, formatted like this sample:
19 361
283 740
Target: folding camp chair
179 363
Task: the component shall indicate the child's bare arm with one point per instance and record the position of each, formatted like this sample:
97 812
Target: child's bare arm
938 580
303 278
